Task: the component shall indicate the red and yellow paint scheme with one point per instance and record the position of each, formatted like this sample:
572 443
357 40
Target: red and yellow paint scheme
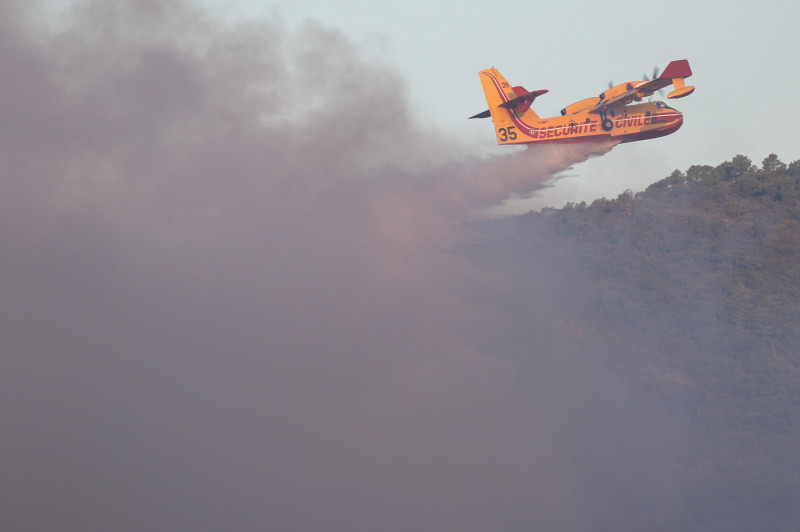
618 114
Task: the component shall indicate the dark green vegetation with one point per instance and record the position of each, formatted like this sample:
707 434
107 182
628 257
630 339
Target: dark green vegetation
690 291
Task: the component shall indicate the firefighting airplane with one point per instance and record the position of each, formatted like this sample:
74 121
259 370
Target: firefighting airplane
611 116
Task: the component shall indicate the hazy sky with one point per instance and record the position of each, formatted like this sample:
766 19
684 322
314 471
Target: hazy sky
743 55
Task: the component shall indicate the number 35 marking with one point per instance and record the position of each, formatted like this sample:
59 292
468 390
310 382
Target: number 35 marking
507 134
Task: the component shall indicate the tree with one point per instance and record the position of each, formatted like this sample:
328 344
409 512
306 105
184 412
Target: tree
772 163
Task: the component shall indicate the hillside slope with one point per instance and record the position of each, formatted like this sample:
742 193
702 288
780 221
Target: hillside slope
690 290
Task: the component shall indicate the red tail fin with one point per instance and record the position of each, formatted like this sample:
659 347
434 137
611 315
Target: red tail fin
677 69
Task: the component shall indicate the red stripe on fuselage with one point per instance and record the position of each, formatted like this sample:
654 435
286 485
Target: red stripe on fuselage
654 134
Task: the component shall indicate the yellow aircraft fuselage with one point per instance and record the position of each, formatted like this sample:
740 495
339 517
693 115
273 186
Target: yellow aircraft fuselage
616 115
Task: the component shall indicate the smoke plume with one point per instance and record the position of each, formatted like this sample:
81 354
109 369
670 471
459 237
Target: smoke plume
231 300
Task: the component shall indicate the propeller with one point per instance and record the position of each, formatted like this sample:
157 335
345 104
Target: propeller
655 75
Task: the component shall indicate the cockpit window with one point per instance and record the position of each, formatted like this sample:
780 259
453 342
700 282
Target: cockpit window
662 105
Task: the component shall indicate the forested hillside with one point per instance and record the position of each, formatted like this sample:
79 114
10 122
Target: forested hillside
690 290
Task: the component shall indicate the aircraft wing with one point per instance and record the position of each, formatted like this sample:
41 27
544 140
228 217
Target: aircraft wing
619 100
646 88
675 73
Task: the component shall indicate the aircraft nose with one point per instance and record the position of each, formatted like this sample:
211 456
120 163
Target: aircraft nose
671 119
676 121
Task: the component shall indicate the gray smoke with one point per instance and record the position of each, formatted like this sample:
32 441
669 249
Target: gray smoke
230 299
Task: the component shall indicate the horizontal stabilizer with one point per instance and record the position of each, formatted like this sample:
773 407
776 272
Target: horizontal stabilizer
520 104
485 114
526 97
